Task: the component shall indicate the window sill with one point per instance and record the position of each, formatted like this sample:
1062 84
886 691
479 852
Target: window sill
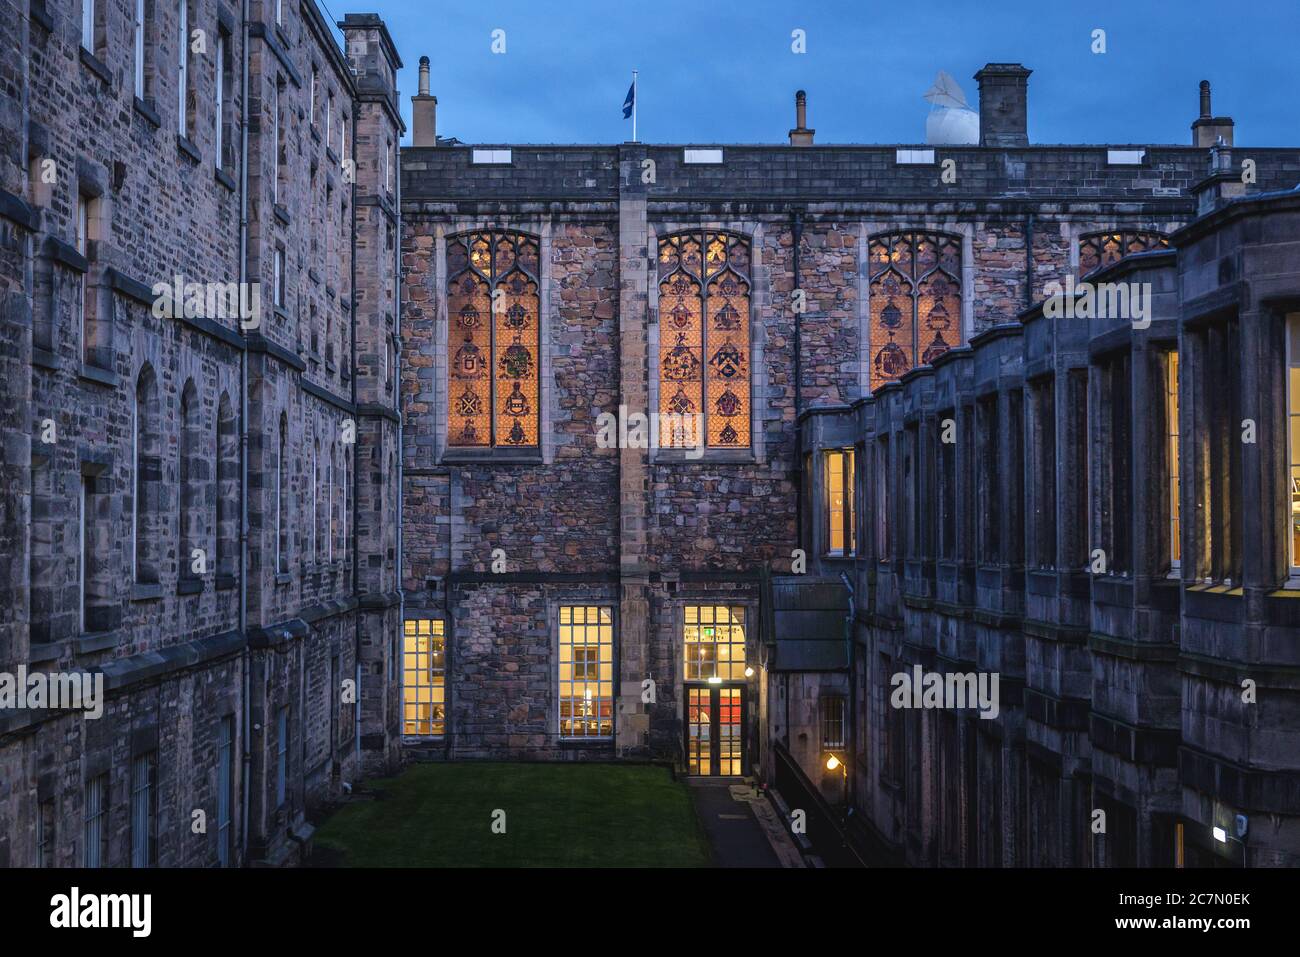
45 359
93 373
99 641
226 582
148 112
581 743
283 578
189 586
709 457
491 457
41 17
46 651
224 178
96 66
188 149
281 214
142 591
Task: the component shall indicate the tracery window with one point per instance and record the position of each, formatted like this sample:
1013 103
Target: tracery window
493 342
915 301
1102 249
704 355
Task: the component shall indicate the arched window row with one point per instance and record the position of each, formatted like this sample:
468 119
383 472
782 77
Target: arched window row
1103 248
704 339
915 297
493 309
208 483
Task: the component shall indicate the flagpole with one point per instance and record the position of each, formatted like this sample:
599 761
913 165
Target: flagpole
634 106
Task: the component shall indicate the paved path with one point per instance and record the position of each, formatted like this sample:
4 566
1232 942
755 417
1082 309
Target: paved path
742 828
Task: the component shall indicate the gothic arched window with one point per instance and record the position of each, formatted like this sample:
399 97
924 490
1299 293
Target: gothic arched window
1102 249
493 320
704 354
915 301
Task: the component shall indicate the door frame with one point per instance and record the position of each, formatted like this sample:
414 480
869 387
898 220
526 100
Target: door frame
714 737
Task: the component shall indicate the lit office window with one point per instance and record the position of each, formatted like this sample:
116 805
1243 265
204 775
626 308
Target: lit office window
841 537
586 690
832 714
424 676
714 643
1293 434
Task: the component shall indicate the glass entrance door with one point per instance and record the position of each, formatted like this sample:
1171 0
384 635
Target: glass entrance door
715 743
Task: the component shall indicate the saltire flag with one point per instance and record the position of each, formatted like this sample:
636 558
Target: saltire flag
630 101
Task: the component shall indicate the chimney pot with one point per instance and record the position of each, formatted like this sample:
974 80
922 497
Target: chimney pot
424 111
1208 129
801 135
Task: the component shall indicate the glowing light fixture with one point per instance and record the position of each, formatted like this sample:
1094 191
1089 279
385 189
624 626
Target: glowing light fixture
749 672
715 680
832 763
1221 835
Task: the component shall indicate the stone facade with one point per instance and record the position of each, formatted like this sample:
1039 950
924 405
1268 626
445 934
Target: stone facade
144 539
1100 709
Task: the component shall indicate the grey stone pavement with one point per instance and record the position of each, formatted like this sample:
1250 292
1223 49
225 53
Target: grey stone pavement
741 825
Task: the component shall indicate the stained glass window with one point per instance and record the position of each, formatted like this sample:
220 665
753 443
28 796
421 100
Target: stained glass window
493 340
704 359
1102 249
915 301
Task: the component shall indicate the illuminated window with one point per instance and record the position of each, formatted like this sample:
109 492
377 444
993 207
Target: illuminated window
1171 445
704 355
586 671
424 675
1102 249
841 535
715 643
492 349
915 301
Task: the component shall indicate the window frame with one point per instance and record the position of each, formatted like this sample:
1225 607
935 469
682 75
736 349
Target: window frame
684 622
1291 395
94 819
144 804
746 444
827 705
488 392
847 467
413 663
606 690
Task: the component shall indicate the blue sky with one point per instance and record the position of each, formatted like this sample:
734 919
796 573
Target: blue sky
723 72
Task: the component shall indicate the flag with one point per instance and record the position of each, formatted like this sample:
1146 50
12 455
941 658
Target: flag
630 101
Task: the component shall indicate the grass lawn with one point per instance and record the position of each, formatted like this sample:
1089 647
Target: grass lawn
557 815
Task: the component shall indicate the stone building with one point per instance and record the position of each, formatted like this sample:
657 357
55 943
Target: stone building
199 500
892 455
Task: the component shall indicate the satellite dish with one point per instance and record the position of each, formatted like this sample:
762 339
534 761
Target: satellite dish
951 121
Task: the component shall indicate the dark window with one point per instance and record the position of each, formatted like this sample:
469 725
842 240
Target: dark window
225 791
45 836
832 714
94 851
1042 411
1218 477
989 488
144 810
947 482
1113 478
1102 249
1076 530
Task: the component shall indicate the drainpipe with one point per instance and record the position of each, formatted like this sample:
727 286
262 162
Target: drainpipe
851 718
356 434
397 406
796 227
246 777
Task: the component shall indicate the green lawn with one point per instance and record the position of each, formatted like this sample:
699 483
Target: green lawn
556 815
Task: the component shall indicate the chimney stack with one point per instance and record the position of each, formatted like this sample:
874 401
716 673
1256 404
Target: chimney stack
424 111
1208 129
1004 104
801 135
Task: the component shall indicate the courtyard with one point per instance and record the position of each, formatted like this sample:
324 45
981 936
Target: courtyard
516 815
